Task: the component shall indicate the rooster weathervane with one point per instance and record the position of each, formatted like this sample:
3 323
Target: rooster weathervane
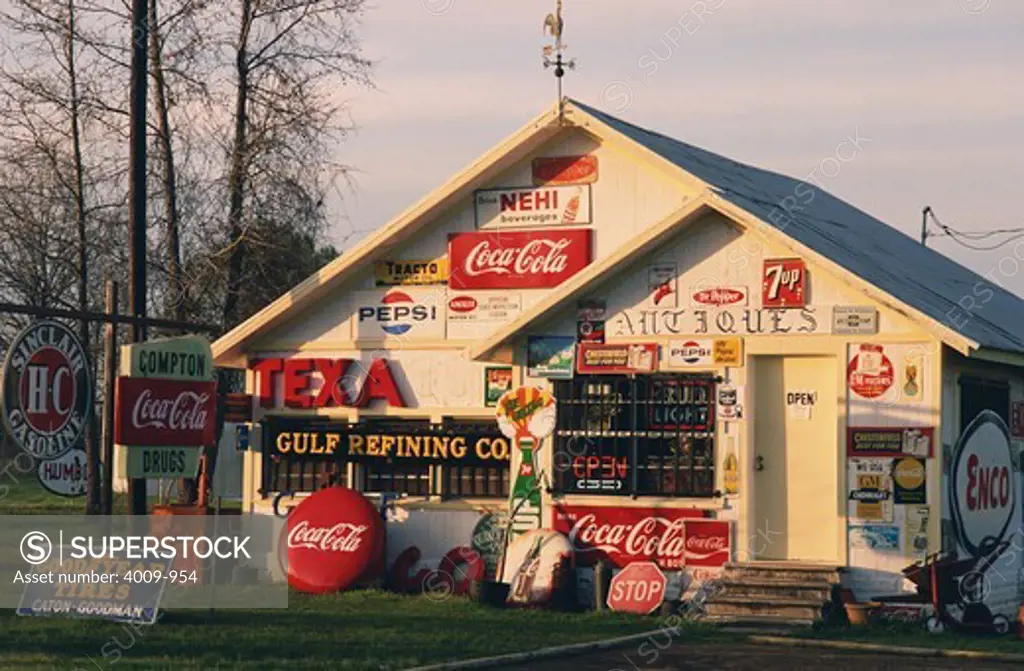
554 25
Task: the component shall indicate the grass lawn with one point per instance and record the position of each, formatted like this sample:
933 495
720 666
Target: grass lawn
911 635
365 629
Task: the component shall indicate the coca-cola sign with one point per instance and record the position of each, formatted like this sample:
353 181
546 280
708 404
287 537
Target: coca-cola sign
624 535
334 537
153 412
708 543
517 259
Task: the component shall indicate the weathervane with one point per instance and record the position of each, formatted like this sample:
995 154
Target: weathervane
553 24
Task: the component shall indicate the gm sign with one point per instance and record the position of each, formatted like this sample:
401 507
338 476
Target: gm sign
400 313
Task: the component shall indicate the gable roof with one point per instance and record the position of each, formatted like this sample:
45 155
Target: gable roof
922 282
917 276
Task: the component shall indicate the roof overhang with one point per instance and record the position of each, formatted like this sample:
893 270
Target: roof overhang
229 350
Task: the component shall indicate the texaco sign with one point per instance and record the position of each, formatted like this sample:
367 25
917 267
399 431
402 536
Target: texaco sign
47 390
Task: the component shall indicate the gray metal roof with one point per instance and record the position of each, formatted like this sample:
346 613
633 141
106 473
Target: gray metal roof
881 255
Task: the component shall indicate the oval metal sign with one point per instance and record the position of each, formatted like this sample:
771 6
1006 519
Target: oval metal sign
983 494
65 475
46 393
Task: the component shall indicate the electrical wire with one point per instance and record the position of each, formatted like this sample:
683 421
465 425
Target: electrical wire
959 237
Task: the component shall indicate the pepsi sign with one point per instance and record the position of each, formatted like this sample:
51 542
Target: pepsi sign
400 314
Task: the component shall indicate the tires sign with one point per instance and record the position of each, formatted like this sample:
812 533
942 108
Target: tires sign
46 390
639 588
333 538
983 487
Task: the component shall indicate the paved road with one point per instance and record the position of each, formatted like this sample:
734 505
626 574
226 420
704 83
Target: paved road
748 657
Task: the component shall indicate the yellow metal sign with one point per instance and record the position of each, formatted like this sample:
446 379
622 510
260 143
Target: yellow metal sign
396 273
728 351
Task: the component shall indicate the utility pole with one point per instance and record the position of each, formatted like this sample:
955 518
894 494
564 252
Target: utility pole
137 203
924 224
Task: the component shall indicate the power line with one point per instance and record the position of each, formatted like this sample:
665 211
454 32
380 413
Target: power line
960 237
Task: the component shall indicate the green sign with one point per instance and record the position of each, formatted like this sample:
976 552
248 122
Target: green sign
163 462
184 358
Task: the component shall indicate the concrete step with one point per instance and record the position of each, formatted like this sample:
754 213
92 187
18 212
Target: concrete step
789 571
759 623
761 588
790 609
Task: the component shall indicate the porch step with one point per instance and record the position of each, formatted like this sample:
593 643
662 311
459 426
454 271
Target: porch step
809 590
760 623
784 571
802 610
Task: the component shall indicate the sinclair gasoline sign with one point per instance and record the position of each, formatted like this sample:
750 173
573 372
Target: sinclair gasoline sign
46 390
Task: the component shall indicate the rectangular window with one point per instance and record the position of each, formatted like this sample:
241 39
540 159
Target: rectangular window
646 435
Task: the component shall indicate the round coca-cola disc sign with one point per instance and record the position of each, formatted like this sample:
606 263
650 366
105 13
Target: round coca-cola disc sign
333 537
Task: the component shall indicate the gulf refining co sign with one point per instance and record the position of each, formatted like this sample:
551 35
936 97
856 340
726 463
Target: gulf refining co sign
46 390
166 406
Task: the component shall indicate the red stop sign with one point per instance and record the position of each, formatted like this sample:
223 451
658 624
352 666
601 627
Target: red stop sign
332 539
639 588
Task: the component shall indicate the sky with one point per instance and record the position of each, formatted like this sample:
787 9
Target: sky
934 89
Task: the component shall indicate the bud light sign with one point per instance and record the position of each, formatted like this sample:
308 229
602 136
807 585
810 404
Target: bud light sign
400 314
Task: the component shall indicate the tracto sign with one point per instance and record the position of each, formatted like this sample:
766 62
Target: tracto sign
400 313
47 390
165 410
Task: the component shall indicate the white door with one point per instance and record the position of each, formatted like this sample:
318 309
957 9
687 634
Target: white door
796 475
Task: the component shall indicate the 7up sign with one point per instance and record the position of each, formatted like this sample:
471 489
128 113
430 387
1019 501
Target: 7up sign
526 416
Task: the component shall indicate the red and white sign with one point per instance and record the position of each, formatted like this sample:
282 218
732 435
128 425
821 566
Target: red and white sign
153 412
517 259
334 537
490 307
708 543
45 389
545 206
335 376
784 283
983 488
613 359
663 285
639 588
623 535
719 296
550 170
65 475
869 372
1017 419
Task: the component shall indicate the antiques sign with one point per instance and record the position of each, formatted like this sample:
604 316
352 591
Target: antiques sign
727 320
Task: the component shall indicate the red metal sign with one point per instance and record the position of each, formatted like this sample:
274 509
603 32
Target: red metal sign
334 537
708 543
639 588
564 170
153 412
870 372
615 359
334 377
623 535
517 259
784 283
718 296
